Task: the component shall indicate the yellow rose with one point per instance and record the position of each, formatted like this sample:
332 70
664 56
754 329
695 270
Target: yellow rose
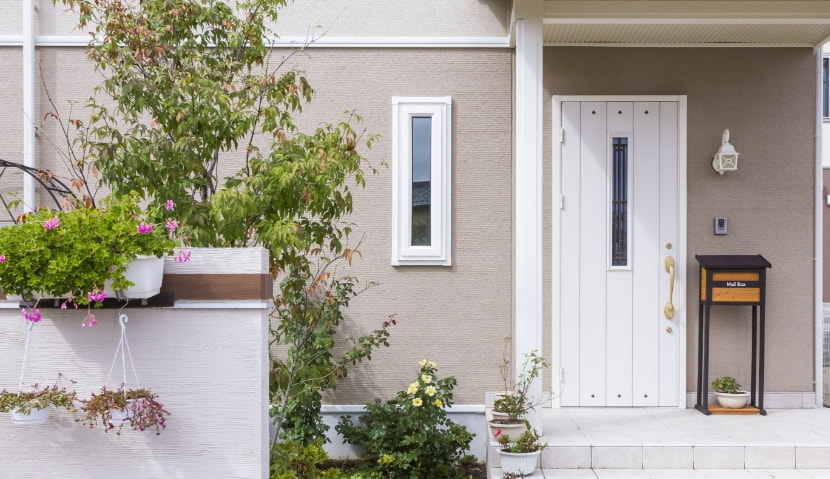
413 388
423 362
426 378
438 402
430 391
417 402
432 365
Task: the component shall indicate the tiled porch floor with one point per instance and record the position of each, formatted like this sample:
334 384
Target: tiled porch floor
680 443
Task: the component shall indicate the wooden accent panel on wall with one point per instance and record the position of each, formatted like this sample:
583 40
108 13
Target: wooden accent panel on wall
219 286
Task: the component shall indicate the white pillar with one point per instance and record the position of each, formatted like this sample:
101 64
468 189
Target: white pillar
528 193
28 102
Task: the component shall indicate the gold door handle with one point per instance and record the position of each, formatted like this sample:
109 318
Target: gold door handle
669 309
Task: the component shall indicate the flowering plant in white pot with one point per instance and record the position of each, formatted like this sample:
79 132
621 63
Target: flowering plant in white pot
72 254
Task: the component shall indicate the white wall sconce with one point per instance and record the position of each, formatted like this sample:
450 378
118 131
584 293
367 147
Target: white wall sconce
726 159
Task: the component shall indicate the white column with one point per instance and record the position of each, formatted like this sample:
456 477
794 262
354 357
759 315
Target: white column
528 177
28 102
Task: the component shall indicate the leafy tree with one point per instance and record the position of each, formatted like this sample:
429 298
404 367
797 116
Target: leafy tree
190 85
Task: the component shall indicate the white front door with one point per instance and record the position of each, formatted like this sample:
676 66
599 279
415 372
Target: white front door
621 214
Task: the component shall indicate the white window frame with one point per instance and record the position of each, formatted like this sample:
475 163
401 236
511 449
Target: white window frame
403 110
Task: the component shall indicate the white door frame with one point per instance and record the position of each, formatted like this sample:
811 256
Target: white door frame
680 249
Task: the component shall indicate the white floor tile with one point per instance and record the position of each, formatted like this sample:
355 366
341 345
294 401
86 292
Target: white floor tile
816 473
725 474
569 473
673 474
777 473
621 474
655 457
766 457
617 457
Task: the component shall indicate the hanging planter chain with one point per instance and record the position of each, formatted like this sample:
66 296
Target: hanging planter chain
25 357
124 348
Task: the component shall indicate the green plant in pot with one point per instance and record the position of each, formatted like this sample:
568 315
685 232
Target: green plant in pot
520 456
112 409
728 393
71 254
33 406
516 400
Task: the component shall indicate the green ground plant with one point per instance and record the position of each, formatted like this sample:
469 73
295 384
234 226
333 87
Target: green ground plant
410 436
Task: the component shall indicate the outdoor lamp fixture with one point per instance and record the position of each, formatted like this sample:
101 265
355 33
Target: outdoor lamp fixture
726 159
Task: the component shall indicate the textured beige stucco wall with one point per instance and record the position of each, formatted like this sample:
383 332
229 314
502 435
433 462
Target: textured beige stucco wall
766 97
11 117
456 316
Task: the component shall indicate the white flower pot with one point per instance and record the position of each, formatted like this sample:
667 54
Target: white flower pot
37 416
118 417
519 464
146 272
732 401
511 430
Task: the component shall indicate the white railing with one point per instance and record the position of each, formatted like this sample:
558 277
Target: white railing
825 335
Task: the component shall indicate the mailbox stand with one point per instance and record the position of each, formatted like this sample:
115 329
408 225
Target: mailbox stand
731 280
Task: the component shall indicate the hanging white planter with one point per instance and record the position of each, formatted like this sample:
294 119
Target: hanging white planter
118 417
36 416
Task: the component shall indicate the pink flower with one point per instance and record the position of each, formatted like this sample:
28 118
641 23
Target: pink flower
90 320
172 225
96 295
145 227
52 224
182 257
169 205
498 433
32 315
2 258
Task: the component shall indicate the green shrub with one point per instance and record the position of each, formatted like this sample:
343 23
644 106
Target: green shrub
410 435
292 460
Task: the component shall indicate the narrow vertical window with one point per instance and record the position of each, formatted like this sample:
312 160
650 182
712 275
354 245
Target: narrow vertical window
619 202
825 86
421 167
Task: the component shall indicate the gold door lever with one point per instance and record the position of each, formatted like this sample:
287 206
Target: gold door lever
669 309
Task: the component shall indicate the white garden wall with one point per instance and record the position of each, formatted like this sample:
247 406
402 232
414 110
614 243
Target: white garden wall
205 358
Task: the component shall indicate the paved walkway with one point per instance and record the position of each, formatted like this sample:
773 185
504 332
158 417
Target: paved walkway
682 443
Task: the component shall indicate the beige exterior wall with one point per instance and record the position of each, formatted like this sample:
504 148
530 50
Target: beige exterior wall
766 97
456 316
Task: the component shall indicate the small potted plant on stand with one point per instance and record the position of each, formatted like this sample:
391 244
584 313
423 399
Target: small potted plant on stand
510 406
520 457
729 394
33 407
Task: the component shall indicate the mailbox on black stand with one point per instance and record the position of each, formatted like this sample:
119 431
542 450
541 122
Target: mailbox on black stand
732 280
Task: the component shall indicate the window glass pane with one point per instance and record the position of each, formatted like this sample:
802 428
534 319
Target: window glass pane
619 203
825 80
421 175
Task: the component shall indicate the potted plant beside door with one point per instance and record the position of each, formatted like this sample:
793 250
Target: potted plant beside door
728 393
516 400
520 457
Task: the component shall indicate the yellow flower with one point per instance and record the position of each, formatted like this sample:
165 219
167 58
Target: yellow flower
413 388
432 365
426 378
423 362
438 402
386 459
417 402
430 391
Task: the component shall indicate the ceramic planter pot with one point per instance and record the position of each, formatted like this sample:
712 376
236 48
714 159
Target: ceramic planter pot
37 416
147 272
519 463
511 430
732 401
